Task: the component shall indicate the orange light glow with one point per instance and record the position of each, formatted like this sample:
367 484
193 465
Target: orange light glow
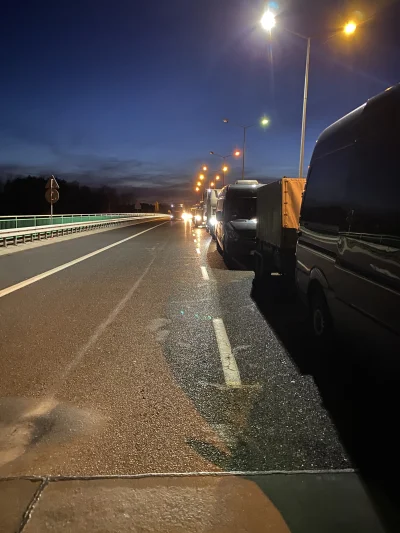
350 28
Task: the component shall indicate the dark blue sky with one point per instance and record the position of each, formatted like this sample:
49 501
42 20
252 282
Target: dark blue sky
133 94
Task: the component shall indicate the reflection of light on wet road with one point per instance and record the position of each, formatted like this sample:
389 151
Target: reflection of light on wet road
204 273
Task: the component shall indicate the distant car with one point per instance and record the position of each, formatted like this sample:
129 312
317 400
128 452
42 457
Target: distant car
235 228
177 214
348 250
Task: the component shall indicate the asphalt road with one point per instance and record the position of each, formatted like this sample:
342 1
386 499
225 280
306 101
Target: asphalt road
152 356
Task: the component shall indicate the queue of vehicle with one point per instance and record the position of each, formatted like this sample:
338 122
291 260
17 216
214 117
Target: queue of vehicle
335 235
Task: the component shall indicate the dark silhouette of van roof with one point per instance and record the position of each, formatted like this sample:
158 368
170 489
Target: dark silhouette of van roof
345 131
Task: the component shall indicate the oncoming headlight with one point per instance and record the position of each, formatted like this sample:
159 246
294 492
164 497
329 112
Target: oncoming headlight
198 218
213 221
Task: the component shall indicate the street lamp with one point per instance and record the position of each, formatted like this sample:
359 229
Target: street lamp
268 22
201 176
205 168
350 28
212 185
197 189
245 128
223 157
199 184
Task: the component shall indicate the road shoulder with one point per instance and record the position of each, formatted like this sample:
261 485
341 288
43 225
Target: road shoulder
279 502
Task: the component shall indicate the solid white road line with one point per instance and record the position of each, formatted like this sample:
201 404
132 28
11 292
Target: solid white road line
48 273
204 273
229 366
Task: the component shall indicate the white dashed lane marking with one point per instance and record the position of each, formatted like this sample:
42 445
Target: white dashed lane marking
204 273
229 365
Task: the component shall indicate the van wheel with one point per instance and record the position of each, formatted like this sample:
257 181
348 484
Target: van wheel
321 321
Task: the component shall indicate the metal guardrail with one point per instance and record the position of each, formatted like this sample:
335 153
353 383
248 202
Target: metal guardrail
27 221
31 233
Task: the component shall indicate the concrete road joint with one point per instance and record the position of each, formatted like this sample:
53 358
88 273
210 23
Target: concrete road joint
46 480
32 504
50 479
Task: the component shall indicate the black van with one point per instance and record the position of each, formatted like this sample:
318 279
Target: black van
348 250
235 229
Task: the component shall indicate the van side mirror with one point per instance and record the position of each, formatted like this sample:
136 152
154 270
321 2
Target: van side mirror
218 216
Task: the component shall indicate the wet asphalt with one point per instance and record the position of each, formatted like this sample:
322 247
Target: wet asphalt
112 366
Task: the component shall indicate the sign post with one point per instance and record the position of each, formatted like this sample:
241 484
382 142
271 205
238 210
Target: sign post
52 195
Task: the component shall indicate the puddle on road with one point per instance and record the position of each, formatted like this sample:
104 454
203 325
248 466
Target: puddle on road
25 423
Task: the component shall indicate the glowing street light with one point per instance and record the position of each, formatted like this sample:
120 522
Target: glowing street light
217 178
205 168
201 176
264 121
245 128
224 157
197 189
212 185
350 28
268 20
199 184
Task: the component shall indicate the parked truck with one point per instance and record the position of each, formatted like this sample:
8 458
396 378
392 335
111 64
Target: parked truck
197 214
210 207
278 211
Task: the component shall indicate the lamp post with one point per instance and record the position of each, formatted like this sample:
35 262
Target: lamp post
245 128
264 122
268 21
224 157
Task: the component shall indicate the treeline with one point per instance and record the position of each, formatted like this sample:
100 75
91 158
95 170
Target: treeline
25 196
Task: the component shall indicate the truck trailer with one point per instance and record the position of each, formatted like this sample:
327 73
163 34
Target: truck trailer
278 211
